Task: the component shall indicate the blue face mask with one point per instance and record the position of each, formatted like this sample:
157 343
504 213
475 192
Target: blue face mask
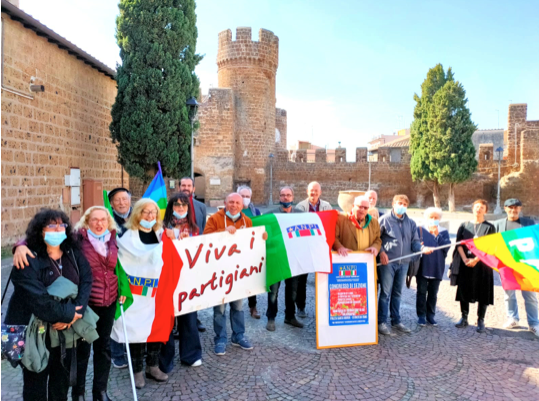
233 217
434 223
179 216
286 205
99 237
55 238
148 224
400 209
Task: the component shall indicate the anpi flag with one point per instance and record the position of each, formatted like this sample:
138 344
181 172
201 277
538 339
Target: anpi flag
297 243
514 254
151 274
157 191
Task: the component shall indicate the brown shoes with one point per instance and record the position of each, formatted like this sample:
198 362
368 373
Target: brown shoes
139 380
153 372
254 313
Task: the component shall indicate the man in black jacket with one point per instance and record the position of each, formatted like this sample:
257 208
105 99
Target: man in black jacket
120 202
513 207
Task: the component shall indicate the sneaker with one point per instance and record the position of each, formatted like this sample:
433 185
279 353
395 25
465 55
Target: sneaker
301 313
271 325
220 349
535 330
431 321
243 344
294 322
402 327
197 363
119 363
421 322
383 329
511 324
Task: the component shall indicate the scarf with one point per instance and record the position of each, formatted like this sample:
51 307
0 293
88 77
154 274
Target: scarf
354 221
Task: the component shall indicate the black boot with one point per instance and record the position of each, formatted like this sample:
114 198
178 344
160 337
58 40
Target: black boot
481 326
463 322
78 394
101 396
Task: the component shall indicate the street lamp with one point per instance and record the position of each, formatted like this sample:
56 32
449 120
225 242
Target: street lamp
271 179
192 106
498 209
369 155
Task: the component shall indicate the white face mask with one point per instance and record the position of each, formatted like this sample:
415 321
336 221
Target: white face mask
246 202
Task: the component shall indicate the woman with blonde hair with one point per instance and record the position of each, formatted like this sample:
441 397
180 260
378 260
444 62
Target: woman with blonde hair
144 229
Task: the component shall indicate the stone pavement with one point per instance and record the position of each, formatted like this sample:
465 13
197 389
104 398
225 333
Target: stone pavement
430 363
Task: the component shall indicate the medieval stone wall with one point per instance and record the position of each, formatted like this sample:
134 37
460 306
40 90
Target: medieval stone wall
67 126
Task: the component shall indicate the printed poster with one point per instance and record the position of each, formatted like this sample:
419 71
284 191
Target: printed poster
347 289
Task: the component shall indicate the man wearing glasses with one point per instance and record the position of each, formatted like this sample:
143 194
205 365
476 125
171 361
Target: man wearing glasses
286 199
358 230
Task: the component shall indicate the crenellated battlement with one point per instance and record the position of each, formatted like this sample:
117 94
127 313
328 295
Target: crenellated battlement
243 50
333 156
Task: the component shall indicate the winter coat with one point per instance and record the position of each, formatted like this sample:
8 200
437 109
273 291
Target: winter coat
219 221
399 237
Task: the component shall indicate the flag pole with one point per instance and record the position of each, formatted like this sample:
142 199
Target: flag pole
128 354
422 252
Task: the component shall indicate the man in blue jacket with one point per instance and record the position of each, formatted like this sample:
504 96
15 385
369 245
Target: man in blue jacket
513 207
399 238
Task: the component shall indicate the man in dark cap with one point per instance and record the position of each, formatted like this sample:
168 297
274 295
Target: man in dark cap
120 201
513 207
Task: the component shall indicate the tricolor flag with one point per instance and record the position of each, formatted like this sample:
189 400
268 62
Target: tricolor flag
157 191
298 243
151 275
514 254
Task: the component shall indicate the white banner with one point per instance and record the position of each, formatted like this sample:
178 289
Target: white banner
220 268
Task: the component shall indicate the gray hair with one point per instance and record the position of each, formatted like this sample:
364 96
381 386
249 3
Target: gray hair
242 187
430 210
286 187
359 199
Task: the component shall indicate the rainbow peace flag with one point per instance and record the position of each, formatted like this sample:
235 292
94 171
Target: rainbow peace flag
157 191
514 254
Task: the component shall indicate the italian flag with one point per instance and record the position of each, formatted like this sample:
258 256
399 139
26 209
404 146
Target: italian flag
298 243
150 275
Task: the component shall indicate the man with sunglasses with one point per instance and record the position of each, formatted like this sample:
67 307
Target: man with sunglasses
358 230
513 207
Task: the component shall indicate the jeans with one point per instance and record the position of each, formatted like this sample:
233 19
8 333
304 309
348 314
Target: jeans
101 352
117 352
426 304
137 355
237 321
301 297
392 278
290 293
190 347
530 304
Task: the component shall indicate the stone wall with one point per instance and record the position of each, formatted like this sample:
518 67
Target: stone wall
64 127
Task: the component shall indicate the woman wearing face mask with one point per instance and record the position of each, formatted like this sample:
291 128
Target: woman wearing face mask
431 266
475 281
179 223
143 231
49 237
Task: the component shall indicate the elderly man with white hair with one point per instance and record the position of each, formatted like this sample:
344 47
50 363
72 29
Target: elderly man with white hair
357 231
373 198
431 266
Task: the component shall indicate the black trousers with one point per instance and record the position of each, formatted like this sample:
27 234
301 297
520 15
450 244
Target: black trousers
426 296
54 380
137 355
290 292
301 298
481 309
101 352
190 346
252 301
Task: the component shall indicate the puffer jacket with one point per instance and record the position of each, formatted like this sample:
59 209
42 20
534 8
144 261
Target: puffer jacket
105 285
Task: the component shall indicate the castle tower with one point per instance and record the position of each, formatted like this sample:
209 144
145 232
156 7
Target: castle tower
249 68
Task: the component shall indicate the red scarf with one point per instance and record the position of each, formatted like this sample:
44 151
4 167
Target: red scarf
354 221
193 208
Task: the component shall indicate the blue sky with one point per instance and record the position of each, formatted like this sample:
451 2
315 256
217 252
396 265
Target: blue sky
348 70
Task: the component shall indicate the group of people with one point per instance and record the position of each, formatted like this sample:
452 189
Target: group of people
85 257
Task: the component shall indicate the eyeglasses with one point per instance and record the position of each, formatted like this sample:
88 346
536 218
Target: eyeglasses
103 221
177 204
56 226
149 213
362 207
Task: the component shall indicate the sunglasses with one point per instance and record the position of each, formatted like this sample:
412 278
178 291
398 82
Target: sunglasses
176 204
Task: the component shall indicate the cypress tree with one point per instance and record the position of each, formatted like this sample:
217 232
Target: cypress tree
441 134
150 120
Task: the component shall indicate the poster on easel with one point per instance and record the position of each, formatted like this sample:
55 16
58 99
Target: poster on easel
346 302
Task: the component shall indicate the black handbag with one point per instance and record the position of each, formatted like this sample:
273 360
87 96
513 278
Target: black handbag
413 267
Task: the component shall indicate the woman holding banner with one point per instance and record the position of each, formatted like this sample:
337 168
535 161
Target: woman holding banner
475 280
143 229
179 223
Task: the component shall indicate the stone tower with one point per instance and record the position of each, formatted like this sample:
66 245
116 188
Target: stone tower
249 69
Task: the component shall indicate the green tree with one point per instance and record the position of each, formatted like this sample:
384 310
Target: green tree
150 120
441 134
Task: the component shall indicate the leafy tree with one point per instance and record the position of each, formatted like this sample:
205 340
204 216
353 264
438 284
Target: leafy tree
441 134
150 120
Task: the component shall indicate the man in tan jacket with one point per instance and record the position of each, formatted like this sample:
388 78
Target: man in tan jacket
357 231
